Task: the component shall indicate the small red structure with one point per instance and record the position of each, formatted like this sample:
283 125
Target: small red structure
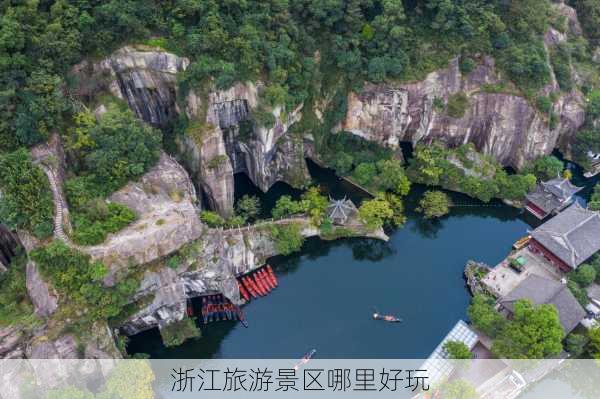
257 283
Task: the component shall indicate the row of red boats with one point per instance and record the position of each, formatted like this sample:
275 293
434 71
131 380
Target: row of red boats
258 283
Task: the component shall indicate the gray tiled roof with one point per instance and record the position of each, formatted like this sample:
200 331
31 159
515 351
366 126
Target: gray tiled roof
561 188
541 290
573 235
552 194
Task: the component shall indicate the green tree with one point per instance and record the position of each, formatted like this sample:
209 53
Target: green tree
248 207
26 200
212 219
547 167
594 342
391 176
534 332
584 275
79 281
365 173
286 206
373 213
575 344
434 204
483 315
594 203
315 204
457 350
124 148
288 238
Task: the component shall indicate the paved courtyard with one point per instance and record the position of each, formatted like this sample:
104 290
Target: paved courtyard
502 278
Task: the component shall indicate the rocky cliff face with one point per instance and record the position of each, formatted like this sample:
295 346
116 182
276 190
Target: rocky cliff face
209 266
503 125
163 200
228 142
145 79
265 155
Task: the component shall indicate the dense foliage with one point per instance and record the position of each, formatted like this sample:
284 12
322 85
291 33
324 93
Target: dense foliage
483 315
533 332
311 203
374 213
248 207
79 281
288 238
174 334
457 350
463 169
26 199
15 305
594 203
434 204
547 167
115 149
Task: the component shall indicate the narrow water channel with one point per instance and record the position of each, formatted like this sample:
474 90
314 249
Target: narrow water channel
328 291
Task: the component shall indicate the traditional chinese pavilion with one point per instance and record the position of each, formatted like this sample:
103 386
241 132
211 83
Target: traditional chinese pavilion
339 211
550 197
568 239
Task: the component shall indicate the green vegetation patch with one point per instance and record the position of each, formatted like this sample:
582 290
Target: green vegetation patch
15 305
434 204
457 105
533 332
26 201
78 280
288 238
480 176
176 333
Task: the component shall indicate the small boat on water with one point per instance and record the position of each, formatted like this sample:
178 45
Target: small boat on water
389 318
243 291
521 242
272 275
266 279
261 288
305 359
241 317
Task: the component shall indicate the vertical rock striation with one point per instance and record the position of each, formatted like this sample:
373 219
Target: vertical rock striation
501 124
226 140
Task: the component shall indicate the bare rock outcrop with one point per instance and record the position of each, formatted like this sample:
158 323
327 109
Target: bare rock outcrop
163 200
231 142
503 125
41 294
144 77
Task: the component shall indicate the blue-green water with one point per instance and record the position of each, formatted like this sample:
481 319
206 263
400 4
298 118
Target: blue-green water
327 293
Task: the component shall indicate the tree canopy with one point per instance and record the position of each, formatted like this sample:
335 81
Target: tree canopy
534 332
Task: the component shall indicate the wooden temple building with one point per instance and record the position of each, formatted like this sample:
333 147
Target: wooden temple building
550 197
568 239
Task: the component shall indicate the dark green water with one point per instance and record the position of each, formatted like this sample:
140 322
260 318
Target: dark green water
327 293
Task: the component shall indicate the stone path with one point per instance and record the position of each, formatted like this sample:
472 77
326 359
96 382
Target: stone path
59 231
254 226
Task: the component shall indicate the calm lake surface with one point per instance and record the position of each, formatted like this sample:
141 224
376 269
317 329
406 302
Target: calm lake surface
327 293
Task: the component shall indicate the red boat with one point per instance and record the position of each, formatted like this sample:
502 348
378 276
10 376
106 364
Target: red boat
255 286
266 280
250 287
272 275
261 288
243 292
